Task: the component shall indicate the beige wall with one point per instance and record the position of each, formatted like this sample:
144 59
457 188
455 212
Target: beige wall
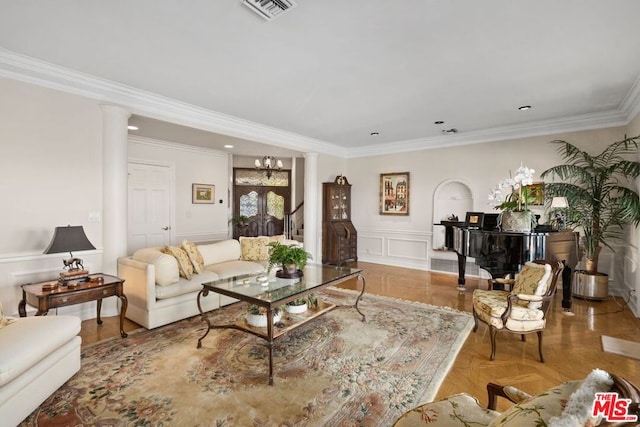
50 149
191 165
631 266
481 165
50 175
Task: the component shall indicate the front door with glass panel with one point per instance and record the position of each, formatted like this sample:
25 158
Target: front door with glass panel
263 200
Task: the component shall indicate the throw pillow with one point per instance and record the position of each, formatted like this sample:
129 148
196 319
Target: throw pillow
546 408
194 255
254 248
279 238
577 412
184 264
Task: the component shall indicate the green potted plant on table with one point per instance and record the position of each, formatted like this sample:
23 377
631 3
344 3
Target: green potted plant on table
292 258
257 316
300 305
601 202
240 220
241 223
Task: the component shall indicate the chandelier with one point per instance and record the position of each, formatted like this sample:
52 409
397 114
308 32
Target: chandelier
268 165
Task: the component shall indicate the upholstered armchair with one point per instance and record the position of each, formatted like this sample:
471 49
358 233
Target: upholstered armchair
569 404
522 310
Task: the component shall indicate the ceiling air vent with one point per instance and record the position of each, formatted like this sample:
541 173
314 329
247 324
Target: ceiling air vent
269 9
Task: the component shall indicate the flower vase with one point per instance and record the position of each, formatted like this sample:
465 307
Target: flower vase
516 221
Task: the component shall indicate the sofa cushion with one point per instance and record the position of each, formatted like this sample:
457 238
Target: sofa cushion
166 266
31 339
254 248
214 253
490 305
235 268
185 286
185 268
194 255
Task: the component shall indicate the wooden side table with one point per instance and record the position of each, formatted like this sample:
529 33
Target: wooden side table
98 286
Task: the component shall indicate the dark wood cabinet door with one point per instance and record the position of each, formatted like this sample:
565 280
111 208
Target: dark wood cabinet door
339 236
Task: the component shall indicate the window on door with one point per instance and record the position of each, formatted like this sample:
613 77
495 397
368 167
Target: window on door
263 200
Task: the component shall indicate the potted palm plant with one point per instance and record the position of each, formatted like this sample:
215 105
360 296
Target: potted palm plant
601 202
292 258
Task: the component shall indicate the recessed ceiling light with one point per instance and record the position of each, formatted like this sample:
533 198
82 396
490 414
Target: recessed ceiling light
525 108
131 127
375 133
438 122
228 146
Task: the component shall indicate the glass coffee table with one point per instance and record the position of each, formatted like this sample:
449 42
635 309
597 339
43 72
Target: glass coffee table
277 292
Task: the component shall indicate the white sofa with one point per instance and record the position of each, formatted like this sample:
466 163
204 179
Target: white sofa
157 294
37 356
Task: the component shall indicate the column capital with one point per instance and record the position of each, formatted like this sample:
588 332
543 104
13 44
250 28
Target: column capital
115 109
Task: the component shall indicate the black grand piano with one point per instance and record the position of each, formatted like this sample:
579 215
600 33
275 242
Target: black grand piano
505 253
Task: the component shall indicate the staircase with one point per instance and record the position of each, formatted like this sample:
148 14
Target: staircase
294 224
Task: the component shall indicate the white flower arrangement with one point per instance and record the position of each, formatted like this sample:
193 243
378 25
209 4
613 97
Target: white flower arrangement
517 198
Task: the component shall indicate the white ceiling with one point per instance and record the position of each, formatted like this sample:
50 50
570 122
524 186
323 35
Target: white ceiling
333 71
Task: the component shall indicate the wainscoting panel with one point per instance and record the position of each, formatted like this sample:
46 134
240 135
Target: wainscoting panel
370 245
414 249
401 248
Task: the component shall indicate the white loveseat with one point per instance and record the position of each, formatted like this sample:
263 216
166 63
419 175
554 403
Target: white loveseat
37 356
158 294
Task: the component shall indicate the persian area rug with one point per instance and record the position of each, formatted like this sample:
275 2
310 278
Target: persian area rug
333 371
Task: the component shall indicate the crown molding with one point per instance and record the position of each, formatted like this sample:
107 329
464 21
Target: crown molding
30 70
152 142
23 68
547 127
630 105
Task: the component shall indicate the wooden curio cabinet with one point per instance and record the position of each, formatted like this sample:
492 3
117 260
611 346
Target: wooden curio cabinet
339 236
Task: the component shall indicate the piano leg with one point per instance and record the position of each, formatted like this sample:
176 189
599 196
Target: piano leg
566 287
462 265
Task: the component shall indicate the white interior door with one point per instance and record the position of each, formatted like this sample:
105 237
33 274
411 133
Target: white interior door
149 221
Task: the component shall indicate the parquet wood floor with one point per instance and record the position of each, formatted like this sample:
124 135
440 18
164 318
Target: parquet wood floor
571 344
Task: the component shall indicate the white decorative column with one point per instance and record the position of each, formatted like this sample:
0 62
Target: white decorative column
311 196
114 185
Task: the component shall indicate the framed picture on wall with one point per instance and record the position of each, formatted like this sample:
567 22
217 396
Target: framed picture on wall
394 193
535 192
203 193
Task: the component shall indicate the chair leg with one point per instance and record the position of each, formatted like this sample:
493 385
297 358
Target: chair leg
540 346
493 332
475 320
